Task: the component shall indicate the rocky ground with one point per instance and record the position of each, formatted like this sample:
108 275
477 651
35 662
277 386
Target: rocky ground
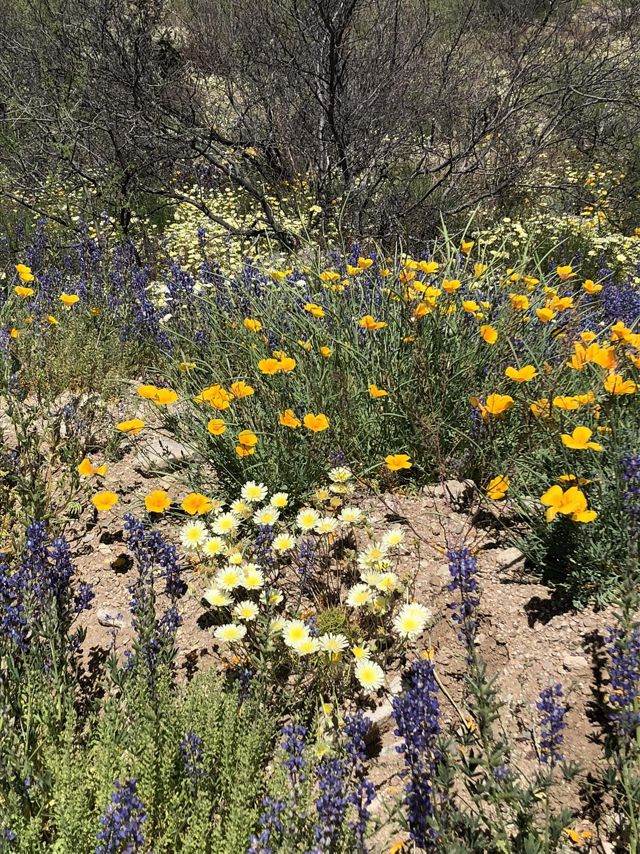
528 636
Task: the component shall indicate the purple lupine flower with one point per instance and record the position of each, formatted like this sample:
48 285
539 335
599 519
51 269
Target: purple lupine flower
122 821
306 558
624 679
463 569
417 714
155 637
331 804
191 753
83 598
363 791
262 550
631 494
293 743
621 302
552 722
271 826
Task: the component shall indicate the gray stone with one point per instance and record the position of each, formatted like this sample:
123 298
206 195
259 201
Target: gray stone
457 493
111 618
161 453
575 662
510 558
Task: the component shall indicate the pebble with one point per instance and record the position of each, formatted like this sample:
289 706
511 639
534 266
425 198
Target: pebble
111 618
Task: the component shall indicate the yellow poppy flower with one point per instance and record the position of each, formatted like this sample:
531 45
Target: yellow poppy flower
365 263
523 375
497 404
104 500
87 469
164 397
157 501
396 462
314 309
216 426
69 299
269 366
315 423
570 503
488 334
241 389
579 440
497 487
540 408
375 392
428 267
519 302
566 403
466 246
216 396
288 419
247 438
545 314
196 504
369 323
565 272
131 427
479 269
252 324
590 287
616 384
326 352
23 292
451 285
329 276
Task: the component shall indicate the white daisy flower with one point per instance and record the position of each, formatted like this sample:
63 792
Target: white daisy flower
253 492
333 643
307 518
217 598
266 516
213 546
411 620
283 543
229 578
326 525
253 579
394 537
230 632
225 524
351 515
387 582
372 555
193 535
359 595
307 646
369 674
241 509
294 631
279 500
273 597
340 474
246 610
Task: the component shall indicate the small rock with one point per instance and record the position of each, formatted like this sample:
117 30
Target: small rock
382 717
511 558
111 618
162 452
457 493
575 662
